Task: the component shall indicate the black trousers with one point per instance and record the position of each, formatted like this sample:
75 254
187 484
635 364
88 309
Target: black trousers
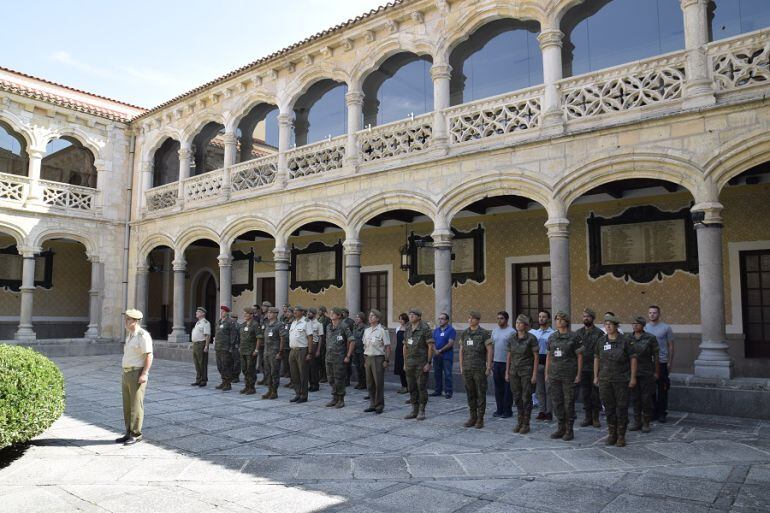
503 396
661 401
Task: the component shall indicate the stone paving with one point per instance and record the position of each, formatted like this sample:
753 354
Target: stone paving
206 450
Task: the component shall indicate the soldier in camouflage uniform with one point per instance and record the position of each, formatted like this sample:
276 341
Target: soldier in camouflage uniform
521 370
225 337
418 358
563 366
475 365
647 371
614 374
339 349
358 354
590 335
235 349
261 318
250 335
320 354
272 349
348 323
286 316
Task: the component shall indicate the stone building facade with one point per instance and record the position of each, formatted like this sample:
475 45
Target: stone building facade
660 129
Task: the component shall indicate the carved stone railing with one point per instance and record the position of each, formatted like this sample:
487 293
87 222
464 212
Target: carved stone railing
253 173
490 117
62 195
623 88
162 197
741 62
395 139
204 186
316 158
13 187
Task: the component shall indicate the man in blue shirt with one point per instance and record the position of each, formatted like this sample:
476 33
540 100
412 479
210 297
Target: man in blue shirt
445 336
543 331
665 336
503 395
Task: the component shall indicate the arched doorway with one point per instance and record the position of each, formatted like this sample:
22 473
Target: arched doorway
206 295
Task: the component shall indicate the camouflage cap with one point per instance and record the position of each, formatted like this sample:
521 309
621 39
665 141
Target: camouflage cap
300 308
273 309
416 311
322 308
337 310
249 310
640 320
201 309
345 311
312 310
590 313
611 318
376 313
524 318
562 315
475 314
267 304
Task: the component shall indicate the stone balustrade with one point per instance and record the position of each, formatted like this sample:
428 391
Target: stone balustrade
253 174
19 191
316 158
204 186
162 198
13 188
741 62
395 139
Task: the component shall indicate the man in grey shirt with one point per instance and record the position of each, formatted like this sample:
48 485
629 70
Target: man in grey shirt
665 336
503 396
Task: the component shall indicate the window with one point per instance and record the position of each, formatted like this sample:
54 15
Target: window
532 286
755 289
266 287
321 112
13 152
729 18
400 87
374 293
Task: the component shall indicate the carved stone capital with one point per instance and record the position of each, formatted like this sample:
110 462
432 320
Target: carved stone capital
185 154
552 37
285 119
351 247
179 266
689 3
35 153
438 71
442 239
142 269
281 254
557 227
712 212
225 260
229 138
354 98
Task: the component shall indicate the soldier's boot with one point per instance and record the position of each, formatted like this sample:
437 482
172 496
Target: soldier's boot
471 421
519 423
421 414
220 386
273 393
612 434
645 424
261 382
251 391
637 425
525 424
621 441
569 433
559 431
244 390
480 422
413 413
266 395
587 420
340 403
333 402
595 418
227 386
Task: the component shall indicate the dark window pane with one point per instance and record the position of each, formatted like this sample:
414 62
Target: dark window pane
755 314
752 262
729 18
409 91
754 297
752 280
754 332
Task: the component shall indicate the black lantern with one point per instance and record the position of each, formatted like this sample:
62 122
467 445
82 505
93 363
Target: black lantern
406 258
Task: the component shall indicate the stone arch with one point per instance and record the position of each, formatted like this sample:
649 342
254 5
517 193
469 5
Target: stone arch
612 168
305 81
195 125
195 281
243 106
319 212
497 184
88 142
395 200
376 56
89 244
243 225
192 234
17 125
157 140
734 158
152 242
17 233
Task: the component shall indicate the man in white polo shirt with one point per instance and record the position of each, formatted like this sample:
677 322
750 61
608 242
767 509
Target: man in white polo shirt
137 360
201 338
300 345
377 354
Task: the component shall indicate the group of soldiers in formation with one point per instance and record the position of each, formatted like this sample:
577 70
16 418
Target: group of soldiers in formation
311 347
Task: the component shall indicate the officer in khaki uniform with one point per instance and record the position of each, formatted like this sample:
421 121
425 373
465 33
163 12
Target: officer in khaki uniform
521 370
339 349
590 335
250 336
475 365
418 358
563 365
224 340
271 348
201 338
647 371
136 363
614 373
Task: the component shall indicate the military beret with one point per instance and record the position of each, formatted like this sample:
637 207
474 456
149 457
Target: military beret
563 315
590 312
134 314
524 318
300 307
337 310
611 318
272 309
475 314
640 320
312 310
416 311
225 308
322 308
376 313
267 304
201 309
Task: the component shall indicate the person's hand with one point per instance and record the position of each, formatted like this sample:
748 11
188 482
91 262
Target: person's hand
632 383
205 348
308 357
254 354
461 370
489 371
278 356
507 378
426 368
533 380
404 368
547 378
142 378
596 381
318 353
577 379
385 364
657 376
346 360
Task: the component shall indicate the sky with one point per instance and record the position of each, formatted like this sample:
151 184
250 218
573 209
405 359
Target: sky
146 52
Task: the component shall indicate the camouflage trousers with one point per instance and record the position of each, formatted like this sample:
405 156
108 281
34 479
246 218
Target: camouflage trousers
476 391
225 365
337 374
272 369
642 396
562 392
589 393
249 367
521 390
236 364
615 398
417 383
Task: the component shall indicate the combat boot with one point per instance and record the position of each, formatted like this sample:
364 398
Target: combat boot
480 422
525 424
569 433
519 423
226 387
621 441
612 434
637 425
273 393
645 424
412 414
421 414
244 390
560 431
471 421
595 418
340 403
266 395
333 402
587 420
220 386
251 391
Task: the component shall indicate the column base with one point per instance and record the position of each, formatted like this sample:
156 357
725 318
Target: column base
552 123
720 369
698 97
178 336
92 332
25 334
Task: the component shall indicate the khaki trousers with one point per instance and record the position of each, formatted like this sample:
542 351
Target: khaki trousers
133 400
375 381
201 360
298 366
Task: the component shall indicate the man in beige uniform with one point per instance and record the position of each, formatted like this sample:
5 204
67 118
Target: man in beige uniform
201 338
137 360
377 353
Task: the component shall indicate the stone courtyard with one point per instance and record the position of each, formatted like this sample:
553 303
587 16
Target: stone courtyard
205 450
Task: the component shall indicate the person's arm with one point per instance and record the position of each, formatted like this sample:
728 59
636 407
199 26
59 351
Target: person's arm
596 369
403 349
547 368
351 348
462 349
145 368
431 349
580 367
450 343
309 334
508 364
490 355
634 365
386 342
536 359
670 345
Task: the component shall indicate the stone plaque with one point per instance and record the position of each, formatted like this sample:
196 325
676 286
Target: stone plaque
316 266
467 257
644 243
10 267
240 270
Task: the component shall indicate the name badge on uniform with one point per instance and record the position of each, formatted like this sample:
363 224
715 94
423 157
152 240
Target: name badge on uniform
410 341
469 342
246 328
263 326
442 333
269 333
339 337
221 326
557 353
607 347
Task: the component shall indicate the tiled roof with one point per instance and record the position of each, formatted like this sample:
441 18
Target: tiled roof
275 55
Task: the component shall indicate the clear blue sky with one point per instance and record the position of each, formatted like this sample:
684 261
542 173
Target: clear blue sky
146 52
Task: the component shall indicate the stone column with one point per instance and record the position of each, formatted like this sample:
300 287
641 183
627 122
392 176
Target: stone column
95 296
226 279
34 191
185 157
355 102
142 286
178 333
442 258
550 46
284 138
352 249
699 89
713 360
440 73
558 242
25 331
282 257
231 155
145 182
